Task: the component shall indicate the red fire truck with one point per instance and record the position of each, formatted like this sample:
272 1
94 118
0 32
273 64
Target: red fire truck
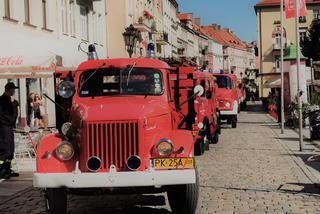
121 131
198 114
242 95
228 96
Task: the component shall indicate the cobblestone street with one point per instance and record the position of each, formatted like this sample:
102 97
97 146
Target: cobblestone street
248 171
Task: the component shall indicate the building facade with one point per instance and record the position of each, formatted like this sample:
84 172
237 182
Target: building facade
40 36
269 36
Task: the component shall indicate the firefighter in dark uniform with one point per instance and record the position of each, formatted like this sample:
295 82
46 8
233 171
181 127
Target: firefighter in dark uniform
7 121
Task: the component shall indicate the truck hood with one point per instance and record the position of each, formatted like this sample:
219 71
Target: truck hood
224 94
122 108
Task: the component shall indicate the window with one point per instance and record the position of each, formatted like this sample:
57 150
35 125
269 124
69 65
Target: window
224 82
302 19
316 14
72 19
84 22
278 39
112 81
27 11
64 18
44 14
7 8
303 35
277 62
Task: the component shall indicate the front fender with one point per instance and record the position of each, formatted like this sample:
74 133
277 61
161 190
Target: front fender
47 160
184 138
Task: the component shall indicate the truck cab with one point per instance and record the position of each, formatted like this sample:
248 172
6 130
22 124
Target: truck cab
228 96
120 133
200 113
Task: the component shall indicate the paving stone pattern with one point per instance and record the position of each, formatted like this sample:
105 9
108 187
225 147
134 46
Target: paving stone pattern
249 171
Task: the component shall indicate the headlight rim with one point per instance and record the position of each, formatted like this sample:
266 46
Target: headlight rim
60 156
72 87
69 128
163 140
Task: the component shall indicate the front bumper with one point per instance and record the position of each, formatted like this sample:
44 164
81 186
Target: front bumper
233 111
114 179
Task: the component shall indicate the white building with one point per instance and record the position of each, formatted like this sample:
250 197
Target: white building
39 36
170 27
217 52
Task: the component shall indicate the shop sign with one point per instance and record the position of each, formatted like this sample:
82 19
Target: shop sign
11 61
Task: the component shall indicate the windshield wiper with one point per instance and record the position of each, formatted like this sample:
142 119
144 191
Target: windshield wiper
95 71
129 72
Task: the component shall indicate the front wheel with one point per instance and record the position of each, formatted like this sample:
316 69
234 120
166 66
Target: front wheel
56 201
199 147
215 138
234 123
183 199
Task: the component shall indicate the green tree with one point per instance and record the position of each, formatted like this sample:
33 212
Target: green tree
311 45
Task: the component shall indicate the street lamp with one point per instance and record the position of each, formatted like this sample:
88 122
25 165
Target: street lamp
131 36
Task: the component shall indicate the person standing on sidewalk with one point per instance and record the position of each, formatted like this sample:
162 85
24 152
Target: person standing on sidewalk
7 116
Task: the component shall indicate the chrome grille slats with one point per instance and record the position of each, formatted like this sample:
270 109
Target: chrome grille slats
112 141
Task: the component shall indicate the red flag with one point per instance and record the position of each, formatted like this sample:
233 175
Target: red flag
290 6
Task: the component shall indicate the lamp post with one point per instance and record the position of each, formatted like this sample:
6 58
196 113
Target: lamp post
130 36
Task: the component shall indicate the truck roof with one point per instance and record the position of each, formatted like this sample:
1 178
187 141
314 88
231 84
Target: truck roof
122 63
233 76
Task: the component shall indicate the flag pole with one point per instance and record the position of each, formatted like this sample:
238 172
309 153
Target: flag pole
298 75
282 70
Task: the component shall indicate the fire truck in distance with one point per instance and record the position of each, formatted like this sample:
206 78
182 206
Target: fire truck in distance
198 114
120 131
228 96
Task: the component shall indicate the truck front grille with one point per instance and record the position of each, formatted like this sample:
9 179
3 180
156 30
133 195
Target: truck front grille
113 142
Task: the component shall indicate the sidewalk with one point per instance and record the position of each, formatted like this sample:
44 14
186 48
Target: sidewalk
290 141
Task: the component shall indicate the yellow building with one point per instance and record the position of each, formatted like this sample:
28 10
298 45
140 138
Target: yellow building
268 23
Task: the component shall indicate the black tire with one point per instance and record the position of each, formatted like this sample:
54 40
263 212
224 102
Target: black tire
199 147
215 138
234 124
56 201
183 199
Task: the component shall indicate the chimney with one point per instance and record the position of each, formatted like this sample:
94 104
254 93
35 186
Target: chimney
215 26
197 21
219 27
227 29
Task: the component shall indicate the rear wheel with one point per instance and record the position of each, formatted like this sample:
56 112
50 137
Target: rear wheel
56 201
183 199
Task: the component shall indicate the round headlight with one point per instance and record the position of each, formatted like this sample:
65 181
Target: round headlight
65 150
66 89
165 147
227 104
65 128
200 125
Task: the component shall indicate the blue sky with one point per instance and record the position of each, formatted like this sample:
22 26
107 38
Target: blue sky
238 15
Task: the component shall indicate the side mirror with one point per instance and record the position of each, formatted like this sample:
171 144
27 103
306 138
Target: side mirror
66 89
198 90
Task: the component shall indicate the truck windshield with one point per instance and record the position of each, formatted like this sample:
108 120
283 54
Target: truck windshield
224 82
112 81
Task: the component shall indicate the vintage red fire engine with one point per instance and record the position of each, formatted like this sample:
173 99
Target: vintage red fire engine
198 114
242 95
120 132
228 96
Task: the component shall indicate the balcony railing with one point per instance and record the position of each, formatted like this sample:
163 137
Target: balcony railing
145 25
162 39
